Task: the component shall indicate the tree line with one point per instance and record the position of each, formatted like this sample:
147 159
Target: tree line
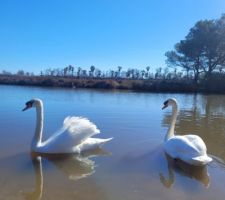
93 72
199 57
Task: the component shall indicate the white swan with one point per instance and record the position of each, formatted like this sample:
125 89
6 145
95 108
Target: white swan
189 148
74 136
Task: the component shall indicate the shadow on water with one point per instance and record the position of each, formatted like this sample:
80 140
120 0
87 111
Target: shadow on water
157 161
73 167
198 173
153 174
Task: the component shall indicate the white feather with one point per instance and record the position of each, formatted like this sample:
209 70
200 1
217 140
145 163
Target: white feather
90 143
189 148
74 132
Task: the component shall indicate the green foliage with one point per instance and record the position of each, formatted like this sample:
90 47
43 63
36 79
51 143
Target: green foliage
202 50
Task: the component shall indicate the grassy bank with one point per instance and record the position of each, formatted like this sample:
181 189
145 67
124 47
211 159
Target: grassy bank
127 84
71 82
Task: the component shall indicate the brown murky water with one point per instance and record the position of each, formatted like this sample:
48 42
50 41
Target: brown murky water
132 166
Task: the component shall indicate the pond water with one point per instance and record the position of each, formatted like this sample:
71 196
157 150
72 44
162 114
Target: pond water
132 166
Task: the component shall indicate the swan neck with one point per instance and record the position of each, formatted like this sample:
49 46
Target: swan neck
170 132
39 126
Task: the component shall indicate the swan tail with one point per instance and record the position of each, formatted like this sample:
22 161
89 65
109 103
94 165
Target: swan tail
101 142
201 160
93 143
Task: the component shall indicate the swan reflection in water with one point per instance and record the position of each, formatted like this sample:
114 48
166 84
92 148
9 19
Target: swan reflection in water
198 173
74 166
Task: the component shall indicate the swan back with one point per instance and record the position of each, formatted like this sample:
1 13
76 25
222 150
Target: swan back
189 148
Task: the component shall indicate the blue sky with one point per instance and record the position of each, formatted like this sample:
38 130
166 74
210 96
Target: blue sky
40 34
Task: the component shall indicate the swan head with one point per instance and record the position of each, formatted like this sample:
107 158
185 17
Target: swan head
169 102
32 103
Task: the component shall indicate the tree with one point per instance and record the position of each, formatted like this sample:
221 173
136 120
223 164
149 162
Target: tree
58 72
132 73
142 74
158 72
166 72
148 68
84 73
202 50
112 73
92 69
98 73
119 70
48 72
4 72
65 70
79 71
20 72
128 73
70 68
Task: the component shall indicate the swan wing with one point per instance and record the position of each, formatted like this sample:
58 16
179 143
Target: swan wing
75 130
80 128
187 148
197 143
